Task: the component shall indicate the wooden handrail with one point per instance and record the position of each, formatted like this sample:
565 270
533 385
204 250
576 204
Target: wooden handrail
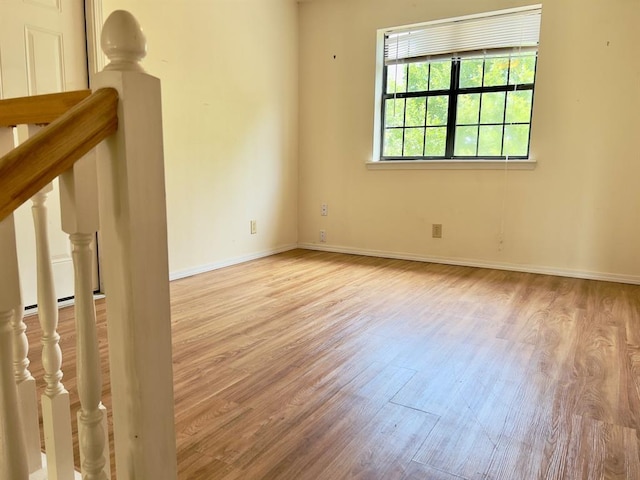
38 109
28 168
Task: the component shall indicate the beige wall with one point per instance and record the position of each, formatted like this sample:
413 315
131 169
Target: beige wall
231 71
230 91
577 212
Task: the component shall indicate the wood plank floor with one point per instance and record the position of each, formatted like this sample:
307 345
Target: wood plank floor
309 365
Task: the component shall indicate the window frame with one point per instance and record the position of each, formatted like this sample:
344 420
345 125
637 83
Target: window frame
454 91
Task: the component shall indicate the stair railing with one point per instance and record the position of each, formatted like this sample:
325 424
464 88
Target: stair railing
106 149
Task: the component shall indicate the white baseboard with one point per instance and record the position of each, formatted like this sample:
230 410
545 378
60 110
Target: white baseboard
465 262
176 275
67 302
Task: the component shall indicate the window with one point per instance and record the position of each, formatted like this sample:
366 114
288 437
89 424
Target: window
459 89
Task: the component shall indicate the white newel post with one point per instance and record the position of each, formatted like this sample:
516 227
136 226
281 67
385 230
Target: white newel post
134 240
13 453
79 208
56 413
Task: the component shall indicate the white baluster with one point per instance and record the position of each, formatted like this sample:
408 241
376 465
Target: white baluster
13 455
20 347
134 240
14 462
47 302
90 417
79 204
56 414
27 397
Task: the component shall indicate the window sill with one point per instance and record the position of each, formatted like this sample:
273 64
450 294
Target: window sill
452 165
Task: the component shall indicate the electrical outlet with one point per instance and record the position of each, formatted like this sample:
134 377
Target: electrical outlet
254 227
436 230
324 209
323 236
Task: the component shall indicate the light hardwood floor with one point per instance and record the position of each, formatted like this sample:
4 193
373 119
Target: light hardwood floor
309 366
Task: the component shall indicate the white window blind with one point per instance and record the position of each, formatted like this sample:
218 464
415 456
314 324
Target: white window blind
510 30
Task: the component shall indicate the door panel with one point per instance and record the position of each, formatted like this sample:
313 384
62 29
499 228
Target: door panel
45 67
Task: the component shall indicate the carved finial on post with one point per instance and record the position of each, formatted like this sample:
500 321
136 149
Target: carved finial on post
123 42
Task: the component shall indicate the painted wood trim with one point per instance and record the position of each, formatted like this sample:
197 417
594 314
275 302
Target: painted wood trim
93 28
28 168
452 165
38 109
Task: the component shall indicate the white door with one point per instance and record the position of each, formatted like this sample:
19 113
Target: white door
42 50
